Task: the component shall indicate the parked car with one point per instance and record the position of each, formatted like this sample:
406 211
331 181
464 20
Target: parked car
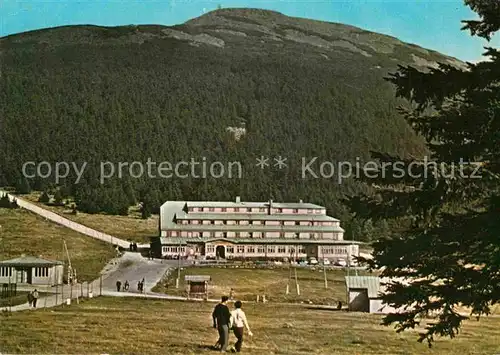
313 261
341 262
325 262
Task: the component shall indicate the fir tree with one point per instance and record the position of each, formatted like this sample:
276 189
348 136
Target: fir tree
44 198
450 253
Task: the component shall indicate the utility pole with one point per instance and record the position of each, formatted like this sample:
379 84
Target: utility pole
296 278
177 282
324 266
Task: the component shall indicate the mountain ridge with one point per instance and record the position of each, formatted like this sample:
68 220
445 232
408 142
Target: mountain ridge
227 89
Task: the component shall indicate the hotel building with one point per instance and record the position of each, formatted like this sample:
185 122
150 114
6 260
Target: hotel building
244 230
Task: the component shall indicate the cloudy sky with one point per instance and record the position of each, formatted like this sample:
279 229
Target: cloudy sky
433 24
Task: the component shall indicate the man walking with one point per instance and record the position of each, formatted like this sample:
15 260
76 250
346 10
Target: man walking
222 317
30 298
35 297
118 285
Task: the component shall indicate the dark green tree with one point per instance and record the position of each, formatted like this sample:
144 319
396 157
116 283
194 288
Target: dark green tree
450 254
4 201
22 186
58 198
44 198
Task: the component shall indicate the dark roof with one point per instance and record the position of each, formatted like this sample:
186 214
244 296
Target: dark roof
30 261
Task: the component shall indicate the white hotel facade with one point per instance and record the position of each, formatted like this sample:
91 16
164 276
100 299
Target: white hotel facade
250 230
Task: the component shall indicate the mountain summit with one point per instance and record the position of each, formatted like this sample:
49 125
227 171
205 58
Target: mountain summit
231 85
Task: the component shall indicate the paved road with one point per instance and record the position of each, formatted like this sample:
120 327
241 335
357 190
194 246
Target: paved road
130 266
134 267
54 217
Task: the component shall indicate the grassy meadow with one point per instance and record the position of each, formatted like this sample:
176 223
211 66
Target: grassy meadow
137 326
247 283
131 228
26 233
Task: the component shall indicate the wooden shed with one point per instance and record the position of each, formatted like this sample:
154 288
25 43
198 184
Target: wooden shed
364 294
197 286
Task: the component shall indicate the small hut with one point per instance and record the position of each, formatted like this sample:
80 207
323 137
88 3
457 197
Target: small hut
31 270
365 294
197 286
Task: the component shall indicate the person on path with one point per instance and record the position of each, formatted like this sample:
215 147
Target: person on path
238 324
118 285
35 297
30 298
126 286
221 317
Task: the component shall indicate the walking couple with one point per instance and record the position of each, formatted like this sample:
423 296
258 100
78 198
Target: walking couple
224 320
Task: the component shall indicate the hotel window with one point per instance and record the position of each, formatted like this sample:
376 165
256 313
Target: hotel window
249 210
281 250
310 211
250 249
210 248
282 223
190 209
237 234
211 209
250 234
279 210
297 223
261 249
237 223
295 210
271 250
236 209
223 209
212 222
302 250
212 234
201 209
240 249
282 235
297 235
224 235
230 250
262 209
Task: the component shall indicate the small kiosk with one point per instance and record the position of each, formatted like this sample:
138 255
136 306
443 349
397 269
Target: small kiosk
197 286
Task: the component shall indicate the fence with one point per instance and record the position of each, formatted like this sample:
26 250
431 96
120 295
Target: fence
67 294
54 217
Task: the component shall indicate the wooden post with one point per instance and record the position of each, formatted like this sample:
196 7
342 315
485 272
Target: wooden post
297 282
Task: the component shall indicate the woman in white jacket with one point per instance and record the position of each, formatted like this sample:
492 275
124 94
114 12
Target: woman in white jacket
238 323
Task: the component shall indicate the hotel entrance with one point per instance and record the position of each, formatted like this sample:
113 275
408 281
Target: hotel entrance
220 252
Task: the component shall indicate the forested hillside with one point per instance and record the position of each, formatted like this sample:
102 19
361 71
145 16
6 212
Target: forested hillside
299 88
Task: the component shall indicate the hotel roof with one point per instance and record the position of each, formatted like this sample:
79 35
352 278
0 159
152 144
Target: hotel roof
231 204
171 208
250 228
254 216
184 241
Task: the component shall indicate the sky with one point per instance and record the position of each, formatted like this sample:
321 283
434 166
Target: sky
432 24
